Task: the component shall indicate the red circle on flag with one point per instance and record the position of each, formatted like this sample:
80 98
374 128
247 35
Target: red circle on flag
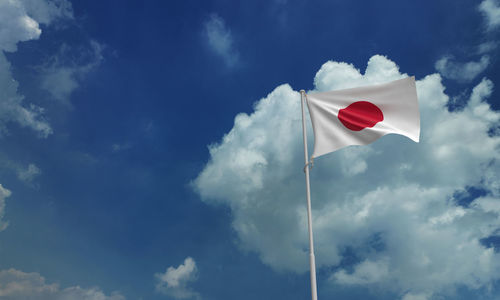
360 115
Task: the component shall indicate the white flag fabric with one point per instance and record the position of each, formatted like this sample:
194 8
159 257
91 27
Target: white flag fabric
359 116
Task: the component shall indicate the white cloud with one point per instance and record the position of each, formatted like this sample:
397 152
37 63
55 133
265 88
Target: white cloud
61 78
174 282
463 72
16 25
19 19
390 202
18 285
220 39
411 296
46 11
18 22
4 193
12 108
120 147
27 175
487 47
467 71
491 11
60 82
365 272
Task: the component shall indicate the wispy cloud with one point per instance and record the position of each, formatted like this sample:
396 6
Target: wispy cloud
487 47
27 175
117 147
46 11
18 285
174 282
18 26
469 70
421 296
220 40
4 193
20 21
461 71
60 76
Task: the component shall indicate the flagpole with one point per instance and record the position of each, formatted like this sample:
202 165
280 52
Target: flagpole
312 260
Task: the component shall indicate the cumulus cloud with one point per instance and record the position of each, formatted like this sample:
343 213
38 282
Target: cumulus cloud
390 203
61 77
18 22
491 11
18 285
220 40
463 72
174 282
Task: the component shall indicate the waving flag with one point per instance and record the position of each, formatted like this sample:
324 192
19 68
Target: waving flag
359 116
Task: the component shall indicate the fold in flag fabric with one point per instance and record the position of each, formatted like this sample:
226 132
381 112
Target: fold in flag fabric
359 116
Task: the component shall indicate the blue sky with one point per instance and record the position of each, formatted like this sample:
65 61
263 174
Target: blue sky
152 150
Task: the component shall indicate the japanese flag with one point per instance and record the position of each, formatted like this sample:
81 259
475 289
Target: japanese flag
359 116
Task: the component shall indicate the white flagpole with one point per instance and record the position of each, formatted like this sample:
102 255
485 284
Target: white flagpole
312 260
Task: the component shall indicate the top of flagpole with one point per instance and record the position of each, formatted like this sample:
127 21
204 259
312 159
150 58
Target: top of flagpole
310 163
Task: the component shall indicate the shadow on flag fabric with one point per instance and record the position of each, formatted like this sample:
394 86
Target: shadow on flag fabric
359 116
